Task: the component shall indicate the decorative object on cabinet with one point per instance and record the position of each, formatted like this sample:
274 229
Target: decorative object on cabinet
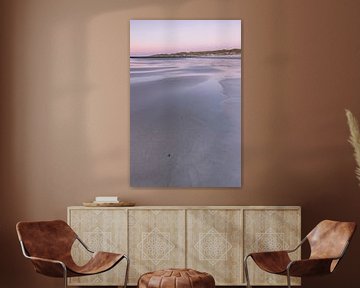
204 238
354 140
185 103
48 245
176 278
328 242
109 204
106 199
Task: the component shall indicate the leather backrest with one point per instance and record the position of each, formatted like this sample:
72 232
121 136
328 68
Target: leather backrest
46 239
329 238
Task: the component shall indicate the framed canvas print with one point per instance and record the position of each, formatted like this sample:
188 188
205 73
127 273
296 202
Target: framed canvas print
185 103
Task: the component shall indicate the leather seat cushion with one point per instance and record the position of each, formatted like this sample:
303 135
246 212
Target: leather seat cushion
176 278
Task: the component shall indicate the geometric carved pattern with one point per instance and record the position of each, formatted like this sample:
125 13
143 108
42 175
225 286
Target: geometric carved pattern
214 243
156 246
213 246
156 241
269 241
270 230
211 239
101 230
98 240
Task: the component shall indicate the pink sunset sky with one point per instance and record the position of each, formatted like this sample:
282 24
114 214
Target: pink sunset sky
148 37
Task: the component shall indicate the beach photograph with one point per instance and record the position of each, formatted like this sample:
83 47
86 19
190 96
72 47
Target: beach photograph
185 103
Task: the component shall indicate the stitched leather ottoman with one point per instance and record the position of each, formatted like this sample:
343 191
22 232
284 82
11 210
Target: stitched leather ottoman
176 278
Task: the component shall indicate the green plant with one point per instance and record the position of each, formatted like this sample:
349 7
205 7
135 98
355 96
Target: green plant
354 140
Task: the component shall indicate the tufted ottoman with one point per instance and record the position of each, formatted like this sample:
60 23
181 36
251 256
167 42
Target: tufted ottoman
176 278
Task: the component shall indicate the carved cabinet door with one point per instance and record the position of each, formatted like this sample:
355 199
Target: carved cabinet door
271 230
101 230
156 240
214 244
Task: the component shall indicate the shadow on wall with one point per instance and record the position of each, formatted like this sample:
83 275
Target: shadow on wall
58 148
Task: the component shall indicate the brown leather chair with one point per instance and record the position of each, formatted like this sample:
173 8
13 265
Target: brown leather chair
328 242
48 245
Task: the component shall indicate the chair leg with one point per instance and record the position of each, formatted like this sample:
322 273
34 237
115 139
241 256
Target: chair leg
65 276
246 270
127 271
288 278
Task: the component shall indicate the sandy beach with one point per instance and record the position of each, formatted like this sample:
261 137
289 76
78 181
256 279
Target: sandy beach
185 122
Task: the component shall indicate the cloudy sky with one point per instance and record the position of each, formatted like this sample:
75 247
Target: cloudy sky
149 37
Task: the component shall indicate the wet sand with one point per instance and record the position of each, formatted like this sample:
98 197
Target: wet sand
185 123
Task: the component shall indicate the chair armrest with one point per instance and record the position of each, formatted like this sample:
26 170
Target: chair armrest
269 252
83 244
298 246
309 267
48 267
280 251
271 261
45 260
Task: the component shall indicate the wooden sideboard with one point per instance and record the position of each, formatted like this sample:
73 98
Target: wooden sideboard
213 239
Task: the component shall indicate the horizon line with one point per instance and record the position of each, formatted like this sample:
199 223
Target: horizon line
182 51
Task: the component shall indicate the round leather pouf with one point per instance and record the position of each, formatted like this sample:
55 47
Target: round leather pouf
176 278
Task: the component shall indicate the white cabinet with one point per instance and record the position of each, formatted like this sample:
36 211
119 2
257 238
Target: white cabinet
211 239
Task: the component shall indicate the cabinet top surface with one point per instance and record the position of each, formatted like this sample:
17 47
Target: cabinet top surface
193 207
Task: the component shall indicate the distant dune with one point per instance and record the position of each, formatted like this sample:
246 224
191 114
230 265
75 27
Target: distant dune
222 52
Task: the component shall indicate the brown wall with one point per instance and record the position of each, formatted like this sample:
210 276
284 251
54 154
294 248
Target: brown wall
64 112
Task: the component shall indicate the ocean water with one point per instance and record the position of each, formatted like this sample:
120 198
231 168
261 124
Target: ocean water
185 126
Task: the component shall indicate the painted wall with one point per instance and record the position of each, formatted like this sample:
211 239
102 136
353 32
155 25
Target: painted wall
64 112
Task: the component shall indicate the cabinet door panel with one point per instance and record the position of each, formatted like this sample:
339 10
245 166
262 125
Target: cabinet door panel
270 230
157 240
100 230
214 244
